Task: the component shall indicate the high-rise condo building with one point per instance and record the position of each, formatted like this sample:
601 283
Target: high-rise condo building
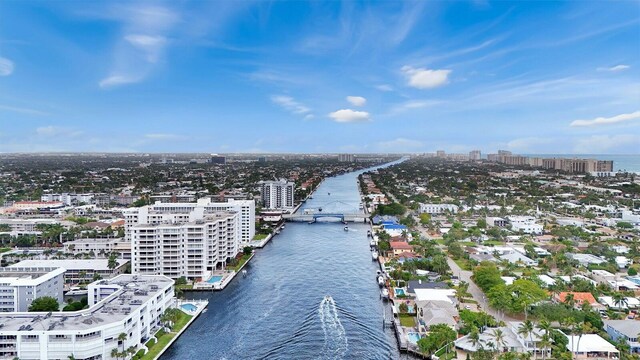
277 194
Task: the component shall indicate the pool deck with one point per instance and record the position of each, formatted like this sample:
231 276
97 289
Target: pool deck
228 276
201 306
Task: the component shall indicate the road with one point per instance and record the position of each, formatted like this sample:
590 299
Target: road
475 291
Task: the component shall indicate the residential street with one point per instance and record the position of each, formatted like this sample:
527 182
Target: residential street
475 291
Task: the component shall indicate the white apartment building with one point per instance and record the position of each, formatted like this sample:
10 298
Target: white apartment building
525 224
277 194
183 212
19 286
438 208
100 247
126 304
68 199
346 158
77 270
29 226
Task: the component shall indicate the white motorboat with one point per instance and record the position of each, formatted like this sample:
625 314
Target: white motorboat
372 243
385 293
380 281
346 228
374 255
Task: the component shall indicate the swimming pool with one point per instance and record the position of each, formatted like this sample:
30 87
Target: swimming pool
410 309
189 307
413 337
214 279
399 292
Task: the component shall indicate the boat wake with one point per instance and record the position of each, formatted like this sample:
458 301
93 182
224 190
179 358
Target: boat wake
335 340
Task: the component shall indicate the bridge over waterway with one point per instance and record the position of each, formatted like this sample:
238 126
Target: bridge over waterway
330 213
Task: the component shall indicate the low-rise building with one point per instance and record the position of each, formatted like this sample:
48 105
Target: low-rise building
525 224
438 208
19 286
126 304
78 270
588 346
100 247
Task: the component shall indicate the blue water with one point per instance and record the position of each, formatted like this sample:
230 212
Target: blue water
214 279
413 337
399 291
310 293
189 307
630 163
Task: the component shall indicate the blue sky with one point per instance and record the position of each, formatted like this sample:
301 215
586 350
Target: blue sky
531 77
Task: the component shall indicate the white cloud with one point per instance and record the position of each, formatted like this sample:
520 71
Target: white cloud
601 144
616 68
23 110
57 131
115 80
384 87
161 136
6 67
400 145
422 78
290 104
348 115
414 104
356 100
151 45
607 121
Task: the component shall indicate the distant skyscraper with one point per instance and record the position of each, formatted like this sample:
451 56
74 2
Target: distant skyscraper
440 154
277 194
346 158
475 155
218 159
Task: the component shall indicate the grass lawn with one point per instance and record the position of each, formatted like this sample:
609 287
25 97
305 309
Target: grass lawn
184 287
260 237
407 320
241 262
4 250
463 263
165 338
493 242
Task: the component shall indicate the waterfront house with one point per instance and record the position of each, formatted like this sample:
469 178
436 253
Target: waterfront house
579 298
512 341
628 330
399 247
589 346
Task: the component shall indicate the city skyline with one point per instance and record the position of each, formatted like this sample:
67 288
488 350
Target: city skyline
352 77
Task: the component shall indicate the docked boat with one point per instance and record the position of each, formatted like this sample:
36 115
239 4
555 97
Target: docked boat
385 293
372 243
346 228
277 232
378 272
244 273
374 255
380 280
368 233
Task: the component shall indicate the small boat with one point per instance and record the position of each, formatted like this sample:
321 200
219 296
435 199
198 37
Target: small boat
385 293
329 194
372 243
319 209
368 233
346 228
277 232
310 222
282 227
380 281
310 197
374 255
378 272
244 273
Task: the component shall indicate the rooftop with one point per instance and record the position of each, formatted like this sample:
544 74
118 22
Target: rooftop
133 291
71 264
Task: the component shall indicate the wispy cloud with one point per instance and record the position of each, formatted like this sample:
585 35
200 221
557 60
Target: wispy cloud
413 104
163 136
616 68
349 116
384 87
400 145
356 100
290 104
607 120
422 78
58 131
23 110
6 66
142 44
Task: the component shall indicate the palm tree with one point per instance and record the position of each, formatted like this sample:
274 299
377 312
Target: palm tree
526 329
619 300
545 343
121 339
498 336
115 353
474 338
570 300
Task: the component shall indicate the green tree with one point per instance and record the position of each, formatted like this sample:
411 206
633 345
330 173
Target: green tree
439 336
112 263
487 275
45 303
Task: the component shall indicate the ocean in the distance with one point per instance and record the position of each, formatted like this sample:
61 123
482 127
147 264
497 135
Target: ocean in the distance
630 163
